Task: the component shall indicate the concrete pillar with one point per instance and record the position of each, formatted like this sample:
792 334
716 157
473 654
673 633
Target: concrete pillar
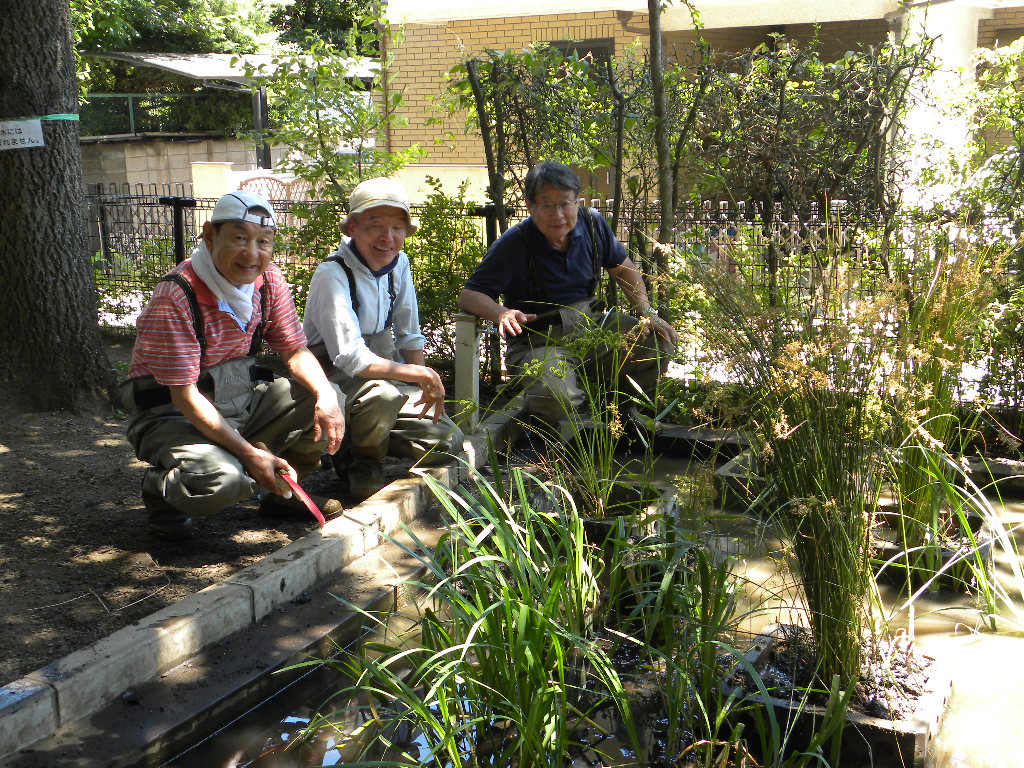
467 370
210 179
934 134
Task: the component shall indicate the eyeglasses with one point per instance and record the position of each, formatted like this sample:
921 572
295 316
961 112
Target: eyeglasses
549 209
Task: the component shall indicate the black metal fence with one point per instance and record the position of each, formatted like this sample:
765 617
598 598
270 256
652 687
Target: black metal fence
134 239
138 233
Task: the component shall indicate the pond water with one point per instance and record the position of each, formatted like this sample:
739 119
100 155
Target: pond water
982 724
981 727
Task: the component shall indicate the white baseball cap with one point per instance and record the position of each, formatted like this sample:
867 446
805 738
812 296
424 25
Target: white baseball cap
380 191
242 205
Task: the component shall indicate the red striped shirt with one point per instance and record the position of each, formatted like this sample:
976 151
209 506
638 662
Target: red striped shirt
166 347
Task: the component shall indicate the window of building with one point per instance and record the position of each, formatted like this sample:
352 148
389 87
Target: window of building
599 49
1008 35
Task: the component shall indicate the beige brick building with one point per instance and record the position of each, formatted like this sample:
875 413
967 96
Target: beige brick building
441 33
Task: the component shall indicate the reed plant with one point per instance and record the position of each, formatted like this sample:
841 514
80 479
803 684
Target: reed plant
979 552
583 451
497 674
947 280
816 370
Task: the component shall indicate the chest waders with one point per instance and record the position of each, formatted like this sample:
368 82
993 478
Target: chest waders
229 384
380 343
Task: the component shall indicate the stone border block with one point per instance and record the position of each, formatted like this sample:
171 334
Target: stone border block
282 576
344 542
365 515
26 707
86 680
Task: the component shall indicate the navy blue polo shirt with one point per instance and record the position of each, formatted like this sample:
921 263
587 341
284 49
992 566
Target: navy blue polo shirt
561 277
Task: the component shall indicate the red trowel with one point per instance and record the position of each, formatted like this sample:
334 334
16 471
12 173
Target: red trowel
303 497
293 484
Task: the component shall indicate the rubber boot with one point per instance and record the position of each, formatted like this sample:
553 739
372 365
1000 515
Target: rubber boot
365 474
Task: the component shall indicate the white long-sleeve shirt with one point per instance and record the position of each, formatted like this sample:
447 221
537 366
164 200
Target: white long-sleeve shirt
329 316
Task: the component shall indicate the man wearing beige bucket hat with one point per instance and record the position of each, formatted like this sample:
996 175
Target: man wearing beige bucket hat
362 321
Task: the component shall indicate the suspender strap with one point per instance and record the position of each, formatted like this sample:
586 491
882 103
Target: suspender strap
257 336
199 327
595 245
353 295
391 299
197 317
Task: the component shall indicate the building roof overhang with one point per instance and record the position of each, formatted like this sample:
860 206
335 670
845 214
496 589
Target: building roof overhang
714 14
214 68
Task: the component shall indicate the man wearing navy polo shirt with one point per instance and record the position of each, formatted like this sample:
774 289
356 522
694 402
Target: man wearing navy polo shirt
547 270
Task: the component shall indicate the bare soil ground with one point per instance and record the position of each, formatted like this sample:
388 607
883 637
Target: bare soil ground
76 559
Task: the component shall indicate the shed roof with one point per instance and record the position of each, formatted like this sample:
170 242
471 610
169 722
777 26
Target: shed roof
220 66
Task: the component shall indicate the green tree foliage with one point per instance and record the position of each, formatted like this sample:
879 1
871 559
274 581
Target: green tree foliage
444 251
334 123
782 124
303 22
531 105
165 26
996 106
777 123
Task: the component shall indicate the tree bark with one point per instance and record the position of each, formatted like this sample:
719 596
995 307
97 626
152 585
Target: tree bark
51 350
657 67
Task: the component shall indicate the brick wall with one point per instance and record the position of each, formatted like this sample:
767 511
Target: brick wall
1003 20
430 51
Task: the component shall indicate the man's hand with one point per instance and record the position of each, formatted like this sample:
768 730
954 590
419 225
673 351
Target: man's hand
263 467
663 329
329 421
510 322
432 392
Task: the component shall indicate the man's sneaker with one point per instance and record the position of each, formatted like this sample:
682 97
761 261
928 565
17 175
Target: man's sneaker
275 506
166 522
365 476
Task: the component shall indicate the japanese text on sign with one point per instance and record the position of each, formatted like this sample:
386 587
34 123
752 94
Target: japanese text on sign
21 134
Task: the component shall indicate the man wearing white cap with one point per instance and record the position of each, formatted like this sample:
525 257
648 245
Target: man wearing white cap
362 320
215 426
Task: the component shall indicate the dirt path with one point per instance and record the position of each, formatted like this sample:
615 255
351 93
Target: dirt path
76 560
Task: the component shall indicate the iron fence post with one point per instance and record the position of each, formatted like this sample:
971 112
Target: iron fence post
178 205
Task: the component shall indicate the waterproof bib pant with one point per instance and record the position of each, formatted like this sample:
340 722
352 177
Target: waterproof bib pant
553 392
382 419
200 478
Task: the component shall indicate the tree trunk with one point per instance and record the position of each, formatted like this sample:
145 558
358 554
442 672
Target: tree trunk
657 67
51 350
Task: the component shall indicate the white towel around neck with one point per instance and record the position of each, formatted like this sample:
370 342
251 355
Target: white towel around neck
237 301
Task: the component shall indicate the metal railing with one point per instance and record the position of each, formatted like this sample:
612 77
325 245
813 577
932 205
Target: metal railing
137 234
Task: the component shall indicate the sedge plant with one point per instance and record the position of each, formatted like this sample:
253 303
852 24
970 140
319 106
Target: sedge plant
815 370
495 676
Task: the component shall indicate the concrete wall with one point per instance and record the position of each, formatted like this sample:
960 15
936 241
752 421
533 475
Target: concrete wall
159 161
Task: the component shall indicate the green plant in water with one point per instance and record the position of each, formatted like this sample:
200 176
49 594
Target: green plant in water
495 677
947 286
584 453
816 375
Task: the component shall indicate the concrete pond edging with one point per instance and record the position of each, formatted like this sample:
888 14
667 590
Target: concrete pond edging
86 681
